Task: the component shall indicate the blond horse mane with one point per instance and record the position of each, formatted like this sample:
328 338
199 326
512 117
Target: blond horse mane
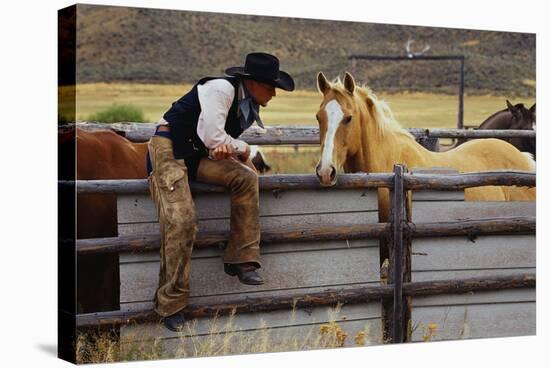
381 113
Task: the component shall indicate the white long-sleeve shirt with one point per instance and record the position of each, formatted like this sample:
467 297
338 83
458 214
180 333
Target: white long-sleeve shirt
215 98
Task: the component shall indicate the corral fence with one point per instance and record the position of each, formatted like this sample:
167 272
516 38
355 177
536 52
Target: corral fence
394 288
291 135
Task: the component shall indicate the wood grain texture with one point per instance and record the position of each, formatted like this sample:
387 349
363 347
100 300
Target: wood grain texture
288 134
468 321
485 252
281 270
439 211
140 208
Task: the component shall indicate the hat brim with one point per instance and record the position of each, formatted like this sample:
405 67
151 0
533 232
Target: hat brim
284 81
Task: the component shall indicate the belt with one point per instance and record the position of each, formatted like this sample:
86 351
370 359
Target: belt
163 128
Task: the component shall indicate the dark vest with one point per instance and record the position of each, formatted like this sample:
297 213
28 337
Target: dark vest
183 118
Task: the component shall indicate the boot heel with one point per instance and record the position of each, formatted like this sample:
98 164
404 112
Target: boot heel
228 268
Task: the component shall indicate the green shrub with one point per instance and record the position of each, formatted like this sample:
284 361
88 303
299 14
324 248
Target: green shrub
119 113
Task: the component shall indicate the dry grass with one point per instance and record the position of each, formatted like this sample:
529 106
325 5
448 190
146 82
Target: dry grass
222 338
296 108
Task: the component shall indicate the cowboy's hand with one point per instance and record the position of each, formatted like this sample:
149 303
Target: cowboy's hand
222 152
244 156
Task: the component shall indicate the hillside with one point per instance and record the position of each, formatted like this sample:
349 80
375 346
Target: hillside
162 46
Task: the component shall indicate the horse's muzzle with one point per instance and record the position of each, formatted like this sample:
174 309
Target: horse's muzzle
326 176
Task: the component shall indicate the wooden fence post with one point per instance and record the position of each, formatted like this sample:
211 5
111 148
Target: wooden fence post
399 260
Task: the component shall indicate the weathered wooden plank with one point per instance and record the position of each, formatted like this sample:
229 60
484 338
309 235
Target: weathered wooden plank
241 304
428 275
348 296
288 134
140 208
438 287
455 321
279 339
474 321
138 281
279 224
469 133
473 228
487 252
468 180
283 338
477 297
134 306
513 295
266 182
441 170
437 196
270 224
311 318
141 242
273 319
345 181
267 248
149 240
459 211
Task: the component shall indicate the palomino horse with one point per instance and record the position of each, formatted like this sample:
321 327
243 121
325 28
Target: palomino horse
513 117
359 133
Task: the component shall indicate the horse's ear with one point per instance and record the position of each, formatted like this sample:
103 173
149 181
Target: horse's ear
370 102
322 83
349 83
533 108
513 109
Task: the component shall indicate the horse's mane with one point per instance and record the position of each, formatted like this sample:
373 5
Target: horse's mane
488 119
381 113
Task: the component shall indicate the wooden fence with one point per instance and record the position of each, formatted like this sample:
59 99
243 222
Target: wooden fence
321 247
273 135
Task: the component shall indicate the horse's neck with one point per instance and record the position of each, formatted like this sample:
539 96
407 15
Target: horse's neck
141 148
382 151
500 119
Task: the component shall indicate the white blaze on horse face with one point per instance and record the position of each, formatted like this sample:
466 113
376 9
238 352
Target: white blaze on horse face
335 115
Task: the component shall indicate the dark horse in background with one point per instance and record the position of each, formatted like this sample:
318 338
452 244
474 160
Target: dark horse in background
516 117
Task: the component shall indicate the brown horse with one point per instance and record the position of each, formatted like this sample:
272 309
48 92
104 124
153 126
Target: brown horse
99 155
358 132
513 117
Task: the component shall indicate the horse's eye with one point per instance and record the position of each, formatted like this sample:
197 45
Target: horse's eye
347 119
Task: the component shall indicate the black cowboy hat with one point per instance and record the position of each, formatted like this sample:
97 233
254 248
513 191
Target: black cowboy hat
263 68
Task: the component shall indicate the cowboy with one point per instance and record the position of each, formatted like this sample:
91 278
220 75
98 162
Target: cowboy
197 139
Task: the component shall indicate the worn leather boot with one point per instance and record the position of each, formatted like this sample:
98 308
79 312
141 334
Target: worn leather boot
174 322
246 272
